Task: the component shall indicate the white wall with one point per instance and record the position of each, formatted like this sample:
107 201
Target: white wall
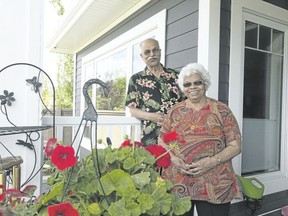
21 24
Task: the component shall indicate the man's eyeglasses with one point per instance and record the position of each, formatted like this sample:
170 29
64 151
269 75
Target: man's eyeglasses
195 83
149 52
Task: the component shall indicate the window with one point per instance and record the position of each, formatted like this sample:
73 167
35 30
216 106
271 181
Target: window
263 75
115 62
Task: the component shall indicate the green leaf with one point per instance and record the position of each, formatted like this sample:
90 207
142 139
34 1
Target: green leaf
162 200
117 181
118 209
128 163
55 191
145 201
141 179
134 208
90 186
180 205
129 193
94 209
110 157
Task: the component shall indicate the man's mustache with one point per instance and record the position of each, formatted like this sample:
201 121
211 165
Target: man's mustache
154 57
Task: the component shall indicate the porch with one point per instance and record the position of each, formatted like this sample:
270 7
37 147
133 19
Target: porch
117 127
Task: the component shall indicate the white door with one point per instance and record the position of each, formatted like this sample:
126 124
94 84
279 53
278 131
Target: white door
258 90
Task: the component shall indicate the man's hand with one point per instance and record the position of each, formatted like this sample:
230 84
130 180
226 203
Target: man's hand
148 116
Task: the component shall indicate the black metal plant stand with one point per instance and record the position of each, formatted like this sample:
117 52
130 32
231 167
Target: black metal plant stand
31 132
253 204
90 115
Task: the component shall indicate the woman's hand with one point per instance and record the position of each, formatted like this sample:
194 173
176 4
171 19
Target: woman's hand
178 163
200 167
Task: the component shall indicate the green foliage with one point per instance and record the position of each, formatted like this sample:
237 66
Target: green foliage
128 186
58 6
64 85
64 91
47 94
116 98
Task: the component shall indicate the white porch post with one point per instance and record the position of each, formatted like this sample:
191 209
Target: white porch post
209 40
21 38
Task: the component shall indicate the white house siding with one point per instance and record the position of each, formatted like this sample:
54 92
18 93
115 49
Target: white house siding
21 24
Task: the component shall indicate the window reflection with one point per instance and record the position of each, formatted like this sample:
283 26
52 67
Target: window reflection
138 64
112 70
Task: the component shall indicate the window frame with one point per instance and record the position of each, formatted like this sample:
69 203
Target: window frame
155 27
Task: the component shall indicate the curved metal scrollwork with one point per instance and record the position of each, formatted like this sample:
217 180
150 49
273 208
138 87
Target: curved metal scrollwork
89 115
30 132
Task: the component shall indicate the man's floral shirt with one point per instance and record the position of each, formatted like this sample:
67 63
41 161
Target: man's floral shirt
152 94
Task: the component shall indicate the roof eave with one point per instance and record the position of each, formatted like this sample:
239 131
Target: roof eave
68 39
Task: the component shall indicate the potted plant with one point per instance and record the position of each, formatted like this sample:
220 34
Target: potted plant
123 181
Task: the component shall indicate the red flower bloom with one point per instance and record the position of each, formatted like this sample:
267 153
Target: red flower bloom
2 197
63 157
50 146
171 137
125 143
62 209
129 143
14 193
160 153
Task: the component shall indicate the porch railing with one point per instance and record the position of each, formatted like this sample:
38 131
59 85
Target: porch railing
114 127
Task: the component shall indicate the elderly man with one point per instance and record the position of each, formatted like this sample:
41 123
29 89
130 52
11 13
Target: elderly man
152 92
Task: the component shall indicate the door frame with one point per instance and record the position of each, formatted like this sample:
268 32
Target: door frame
242 10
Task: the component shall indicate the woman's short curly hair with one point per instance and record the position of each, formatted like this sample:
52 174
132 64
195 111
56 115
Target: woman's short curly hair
194 68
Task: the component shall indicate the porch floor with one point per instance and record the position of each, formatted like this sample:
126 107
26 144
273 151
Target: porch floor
276 212
271 206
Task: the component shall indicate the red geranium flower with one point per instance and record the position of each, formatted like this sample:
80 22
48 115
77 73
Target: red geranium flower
171 137
125 143
50 146
130 144
162 156
62 209
63 157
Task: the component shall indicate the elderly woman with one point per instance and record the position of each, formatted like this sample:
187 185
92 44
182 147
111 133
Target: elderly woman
201 166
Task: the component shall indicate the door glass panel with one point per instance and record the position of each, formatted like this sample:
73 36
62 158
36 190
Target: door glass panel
264 38
263 71
278 42
251 30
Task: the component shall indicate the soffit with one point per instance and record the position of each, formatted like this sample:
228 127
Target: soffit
88 20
